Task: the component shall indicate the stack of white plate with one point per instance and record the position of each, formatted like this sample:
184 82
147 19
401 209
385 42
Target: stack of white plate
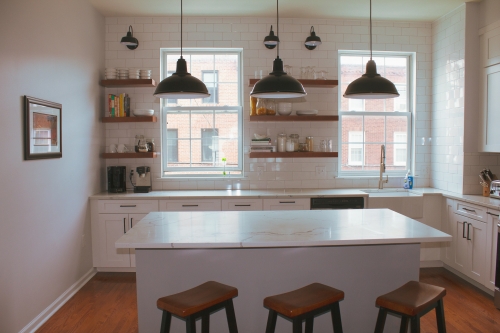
145 73
143 112
110 73
306 112
133 73
123 73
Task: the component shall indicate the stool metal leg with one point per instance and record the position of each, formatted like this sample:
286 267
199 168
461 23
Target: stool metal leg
271 321
441 324
382 314
231 317
336 320
404 324
309 325
190 325
415 324
166 318
297 326
205 323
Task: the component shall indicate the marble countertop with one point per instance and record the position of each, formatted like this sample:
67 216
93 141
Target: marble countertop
277 229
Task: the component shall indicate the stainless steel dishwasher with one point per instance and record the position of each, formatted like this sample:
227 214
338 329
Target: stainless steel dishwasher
337 203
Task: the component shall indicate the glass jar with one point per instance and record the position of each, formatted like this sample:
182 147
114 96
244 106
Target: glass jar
151 145
302 146
253 106
295 140
289 145
322 146
261 107
281 142
270 107
310 143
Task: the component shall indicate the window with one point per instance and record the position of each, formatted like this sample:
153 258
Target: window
171 100
365 125
211 80
197 134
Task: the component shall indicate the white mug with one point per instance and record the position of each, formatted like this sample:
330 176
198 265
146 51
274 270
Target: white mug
122 148
112 148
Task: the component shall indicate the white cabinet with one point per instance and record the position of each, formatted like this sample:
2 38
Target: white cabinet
448 226
189 205
468 249
110 219
287 204
491 247
238 204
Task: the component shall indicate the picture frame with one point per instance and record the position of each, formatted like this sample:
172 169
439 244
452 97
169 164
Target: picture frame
42 129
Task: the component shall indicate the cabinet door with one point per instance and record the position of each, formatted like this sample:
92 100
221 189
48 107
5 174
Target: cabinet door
476 248
132 220
460 257
491 247
239 204
490 104
287 204
448 226
112 227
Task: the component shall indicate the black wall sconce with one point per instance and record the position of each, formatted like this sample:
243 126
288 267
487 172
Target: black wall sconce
130 41
271 40
312 41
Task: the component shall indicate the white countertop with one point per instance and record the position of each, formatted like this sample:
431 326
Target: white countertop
277 229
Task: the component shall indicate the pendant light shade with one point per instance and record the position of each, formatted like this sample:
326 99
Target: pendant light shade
130 41
181 84
270 41
371 85
278 84
312 41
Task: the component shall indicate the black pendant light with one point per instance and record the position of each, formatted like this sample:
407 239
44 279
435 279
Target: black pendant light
278 84
271 40
371 85
181 84
312 41
130 41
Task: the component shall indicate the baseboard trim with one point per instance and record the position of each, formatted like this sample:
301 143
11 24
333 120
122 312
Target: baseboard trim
116 269
468 279
431 263
56 305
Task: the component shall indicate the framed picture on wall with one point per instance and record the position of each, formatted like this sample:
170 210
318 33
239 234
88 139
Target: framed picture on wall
42 129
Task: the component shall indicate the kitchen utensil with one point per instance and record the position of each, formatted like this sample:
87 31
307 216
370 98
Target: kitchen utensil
112 148
122 148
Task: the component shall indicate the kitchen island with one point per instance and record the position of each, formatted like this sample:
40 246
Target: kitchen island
365 253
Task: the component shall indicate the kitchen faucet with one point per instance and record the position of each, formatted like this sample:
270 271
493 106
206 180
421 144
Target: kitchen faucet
381 181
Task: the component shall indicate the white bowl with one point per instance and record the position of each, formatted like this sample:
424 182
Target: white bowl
143 112
306 112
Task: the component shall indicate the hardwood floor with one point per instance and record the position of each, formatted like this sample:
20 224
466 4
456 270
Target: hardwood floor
108 303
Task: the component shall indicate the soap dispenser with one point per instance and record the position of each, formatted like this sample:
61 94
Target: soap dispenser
408 181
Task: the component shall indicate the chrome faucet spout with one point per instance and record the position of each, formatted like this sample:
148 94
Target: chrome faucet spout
381 180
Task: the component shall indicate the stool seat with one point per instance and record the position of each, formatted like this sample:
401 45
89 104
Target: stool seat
411 298
197 299
303 300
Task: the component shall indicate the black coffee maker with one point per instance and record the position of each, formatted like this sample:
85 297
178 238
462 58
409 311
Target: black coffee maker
117 179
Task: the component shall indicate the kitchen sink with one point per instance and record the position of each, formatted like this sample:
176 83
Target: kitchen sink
391 192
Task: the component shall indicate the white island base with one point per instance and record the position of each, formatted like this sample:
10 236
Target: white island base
362 272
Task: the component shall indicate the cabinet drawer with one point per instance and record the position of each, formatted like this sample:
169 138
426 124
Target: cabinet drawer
241 204
127 206
471 210
190 205
287 204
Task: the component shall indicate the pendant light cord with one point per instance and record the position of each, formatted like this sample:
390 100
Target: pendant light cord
181 29
371 48
278 28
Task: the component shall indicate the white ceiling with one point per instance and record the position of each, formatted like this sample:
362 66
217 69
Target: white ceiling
404 10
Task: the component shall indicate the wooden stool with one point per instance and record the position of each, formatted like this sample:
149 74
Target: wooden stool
304 304
199 302
412 301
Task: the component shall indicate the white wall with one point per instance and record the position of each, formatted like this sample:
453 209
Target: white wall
489 12
248 33
52 50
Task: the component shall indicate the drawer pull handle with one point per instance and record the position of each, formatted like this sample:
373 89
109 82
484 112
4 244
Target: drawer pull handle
131 221
242 205
469 210
127 206
492 214
463 229
468 230
124 231
189 205
287 201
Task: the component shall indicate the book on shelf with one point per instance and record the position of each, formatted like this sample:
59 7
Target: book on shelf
118 105
261 143
263 149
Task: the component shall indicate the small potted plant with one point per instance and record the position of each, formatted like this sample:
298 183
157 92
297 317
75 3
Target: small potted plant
224 161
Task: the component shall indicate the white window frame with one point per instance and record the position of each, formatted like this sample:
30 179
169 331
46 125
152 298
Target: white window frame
398 144
410 95
216 171
355 143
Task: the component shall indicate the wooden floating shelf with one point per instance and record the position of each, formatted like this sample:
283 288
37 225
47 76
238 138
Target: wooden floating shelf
297 154
294 118
128 83
129 155
145 119
307 83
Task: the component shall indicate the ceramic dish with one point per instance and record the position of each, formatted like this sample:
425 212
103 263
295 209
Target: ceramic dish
143 112
306 112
